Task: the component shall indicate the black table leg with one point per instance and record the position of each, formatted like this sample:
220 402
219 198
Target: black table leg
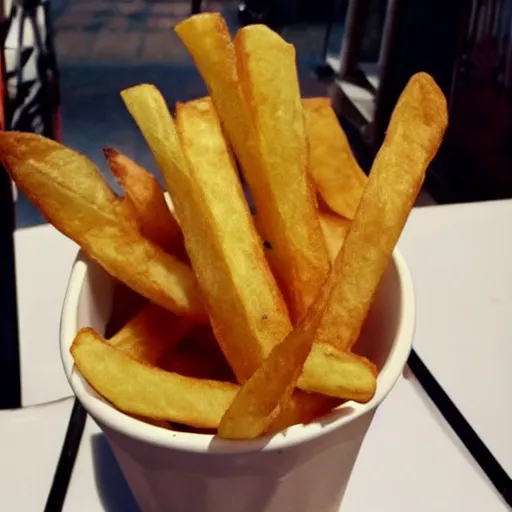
10 385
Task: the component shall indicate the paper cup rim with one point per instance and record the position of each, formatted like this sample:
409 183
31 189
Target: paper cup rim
116 420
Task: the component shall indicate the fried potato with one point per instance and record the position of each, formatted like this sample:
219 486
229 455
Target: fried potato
260 108
335 229
149 392
281 188
337 373
147 197
217 262
150 333
345 297
242 297
206 37
270 388
336 174
414 134
163 396
69 191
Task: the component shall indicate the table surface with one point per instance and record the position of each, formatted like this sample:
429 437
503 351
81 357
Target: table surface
460 258
43 263
410 459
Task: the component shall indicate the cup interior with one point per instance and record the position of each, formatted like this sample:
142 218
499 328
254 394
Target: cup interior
386 339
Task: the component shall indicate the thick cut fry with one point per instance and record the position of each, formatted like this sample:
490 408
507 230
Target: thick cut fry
394 183
336 174
151 333
261 398
263 119
242 297
147 197
68 190
335 229
163 396
138 389
414 134
265 401
281 187
264 327
338 374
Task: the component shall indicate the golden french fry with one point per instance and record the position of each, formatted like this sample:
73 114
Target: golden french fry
147 197
335 229
260 108
163 396
242 297
346 295
150 392
206 37
339 374
228 265
69 191
414 134
150 333
281 187
261 399
335 172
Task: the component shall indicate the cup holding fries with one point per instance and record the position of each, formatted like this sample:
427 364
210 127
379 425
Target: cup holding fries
305 468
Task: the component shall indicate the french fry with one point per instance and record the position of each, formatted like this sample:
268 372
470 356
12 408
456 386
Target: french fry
147 197
152 392
69 191
394 183
151 333
335 229
284 200
260 108
163 396
226 252
336 174
261 319
261 399
414 134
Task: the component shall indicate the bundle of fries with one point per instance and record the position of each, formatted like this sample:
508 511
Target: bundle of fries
243 324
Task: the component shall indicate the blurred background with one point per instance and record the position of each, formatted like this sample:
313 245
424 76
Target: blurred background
65 62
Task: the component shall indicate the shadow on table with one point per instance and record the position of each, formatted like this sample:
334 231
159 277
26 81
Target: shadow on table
112 487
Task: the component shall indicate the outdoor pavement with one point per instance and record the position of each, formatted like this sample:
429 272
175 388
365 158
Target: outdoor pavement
104 47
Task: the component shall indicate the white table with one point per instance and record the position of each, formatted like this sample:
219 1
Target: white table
460 258
43 263
411 460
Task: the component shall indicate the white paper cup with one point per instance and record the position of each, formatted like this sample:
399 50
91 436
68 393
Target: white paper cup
305 468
